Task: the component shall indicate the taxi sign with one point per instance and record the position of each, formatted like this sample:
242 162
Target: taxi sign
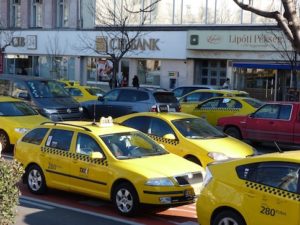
106 122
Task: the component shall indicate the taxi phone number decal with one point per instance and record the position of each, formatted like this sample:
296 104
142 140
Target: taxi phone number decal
271 212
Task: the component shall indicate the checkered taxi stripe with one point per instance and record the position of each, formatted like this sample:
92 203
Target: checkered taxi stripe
164 140
63 153
274 191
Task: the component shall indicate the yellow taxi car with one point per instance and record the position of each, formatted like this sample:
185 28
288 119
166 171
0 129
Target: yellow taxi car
260 190
84 93
68 83
16 118
108 161
218 107
191 100
187 136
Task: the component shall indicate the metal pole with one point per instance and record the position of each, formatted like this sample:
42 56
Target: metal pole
275 90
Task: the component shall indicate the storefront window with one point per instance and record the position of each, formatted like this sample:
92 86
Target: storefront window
99 69
193 11
149 72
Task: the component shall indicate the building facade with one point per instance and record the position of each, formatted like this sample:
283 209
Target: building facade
183 42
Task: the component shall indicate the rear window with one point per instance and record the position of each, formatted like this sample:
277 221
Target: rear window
35 136
165 97
254 102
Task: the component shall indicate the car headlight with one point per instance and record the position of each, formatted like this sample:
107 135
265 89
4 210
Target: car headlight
21 130
80 109
50 111
160 182
217 156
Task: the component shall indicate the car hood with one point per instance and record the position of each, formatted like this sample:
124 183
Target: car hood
54 103
25 121
227 145
162 166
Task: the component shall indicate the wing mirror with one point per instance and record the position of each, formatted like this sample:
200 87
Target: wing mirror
24 96
169 136
96 155
251 115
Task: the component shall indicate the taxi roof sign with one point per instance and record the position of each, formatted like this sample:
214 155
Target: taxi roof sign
106 122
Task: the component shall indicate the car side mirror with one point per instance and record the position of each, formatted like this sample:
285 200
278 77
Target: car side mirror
251 115
24 96
100 98
96 155
198 107
169 136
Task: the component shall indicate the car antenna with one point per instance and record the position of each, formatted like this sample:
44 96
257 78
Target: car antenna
94 120
277 146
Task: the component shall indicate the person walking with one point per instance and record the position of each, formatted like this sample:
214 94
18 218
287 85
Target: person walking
226 84
135 81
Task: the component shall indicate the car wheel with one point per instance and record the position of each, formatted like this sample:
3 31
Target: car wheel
193 159
4 140
228 218
125 199
233 132
36 181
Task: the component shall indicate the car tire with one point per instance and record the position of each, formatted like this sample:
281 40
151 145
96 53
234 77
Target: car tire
228 217
35 179
125 199
233 132
193 159
4 140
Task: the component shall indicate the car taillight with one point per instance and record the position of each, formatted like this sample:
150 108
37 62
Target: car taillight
153 108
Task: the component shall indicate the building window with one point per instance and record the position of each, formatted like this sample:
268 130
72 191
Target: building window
36 13
15 13
149 72
62 13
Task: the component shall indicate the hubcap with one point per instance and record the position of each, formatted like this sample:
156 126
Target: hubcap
124 200
227 221
3 140
34 180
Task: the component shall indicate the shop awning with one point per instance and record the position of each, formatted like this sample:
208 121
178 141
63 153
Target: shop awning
278 66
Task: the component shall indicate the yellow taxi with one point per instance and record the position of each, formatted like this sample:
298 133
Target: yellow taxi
191 100
84 93
218 107
108 161
260 190
68 83
16 118
187 136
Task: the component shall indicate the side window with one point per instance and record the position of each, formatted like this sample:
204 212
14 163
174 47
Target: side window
128 96
75 92
285 112
268 112
19 89
192 97
205 95
210 104
35 136
178 92
142 96
159 128
230 104
139 123
112 96
60 139
284 176
86 144
4 87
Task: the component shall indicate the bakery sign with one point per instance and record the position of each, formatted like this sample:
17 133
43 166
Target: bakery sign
30 41
243 40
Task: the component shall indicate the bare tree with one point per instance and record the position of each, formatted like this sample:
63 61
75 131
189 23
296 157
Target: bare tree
6 39
288 21
120 26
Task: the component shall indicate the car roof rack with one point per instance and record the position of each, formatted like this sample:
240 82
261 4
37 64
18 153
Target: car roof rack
67 124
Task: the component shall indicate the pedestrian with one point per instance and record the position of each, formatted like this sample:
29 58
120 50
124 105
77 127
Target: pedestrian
124 82
135 81
226 84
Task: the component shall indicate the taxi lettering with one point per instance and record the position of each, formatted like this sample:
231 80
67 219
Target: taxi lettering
52 166
84 170
267 211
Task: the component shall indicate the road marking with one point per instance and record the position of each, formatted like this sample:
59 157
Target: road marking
36 204
79 210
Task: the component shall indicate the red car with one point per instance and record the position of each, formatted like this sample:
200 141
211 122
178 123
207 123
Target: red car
276 121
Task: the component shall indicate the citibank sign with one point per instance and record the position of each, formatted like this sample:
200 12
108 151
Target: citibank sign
139 44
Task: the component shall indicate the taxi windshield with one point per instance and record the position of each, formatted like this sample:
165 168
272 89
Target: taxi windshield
131 145
47 89
16 109
197 128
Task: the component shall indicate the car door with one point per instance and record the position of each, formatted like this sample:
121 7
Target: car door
207 110
88 175
263 124
105 107
272 193
57 150
189 102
